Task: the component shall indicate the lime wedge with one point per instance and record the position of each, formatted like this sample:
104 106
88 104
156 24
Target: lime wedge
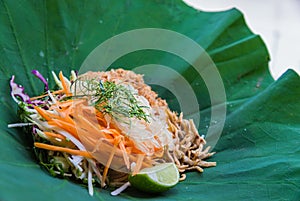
156 179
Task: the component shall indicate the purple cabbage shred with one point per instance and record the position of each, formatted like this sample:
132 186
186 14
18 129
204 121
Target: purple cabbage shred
18 91
40 76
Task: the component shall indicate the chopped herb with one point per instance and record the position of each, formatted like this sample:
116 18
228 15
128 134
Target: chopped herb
114 99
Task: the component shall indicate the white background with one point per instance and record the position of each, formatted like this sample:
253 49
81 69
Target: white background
276 21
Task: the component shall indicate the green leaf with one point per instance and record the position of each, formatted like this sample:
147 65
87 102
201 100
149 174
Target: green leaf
258 154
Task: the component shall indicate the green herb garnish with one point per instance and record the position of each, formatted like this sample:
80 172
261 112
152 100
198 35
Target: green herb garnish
115 99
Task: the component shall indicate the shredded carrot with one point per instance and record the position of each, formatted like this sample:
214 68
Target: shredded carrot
64 116
125 155
90 126
43 113
64 84
55 135
44 95
63 149
108 165
70 128
53 117
139 164
71 103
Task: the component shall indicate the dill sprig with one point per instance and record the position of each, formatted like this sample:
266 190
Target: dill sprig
114 99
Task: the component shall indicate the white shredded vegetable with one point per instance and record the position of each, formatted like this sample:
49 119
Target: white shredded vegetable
90 182
19 125
120 189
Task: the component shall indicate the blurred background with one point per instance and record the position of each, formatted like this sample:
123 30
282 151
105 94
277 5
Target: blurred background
276 21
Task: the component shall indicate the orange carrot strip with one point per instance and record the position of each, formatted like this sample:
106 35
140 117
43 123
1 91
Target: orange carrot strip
43 113
44 95
63 149
101 119
128 150
64 125
49 117
64 117
55 135
88 124
133 149
69 123
105 171
58 121
125 156
37 97
71 102
114 131
64 84
139 164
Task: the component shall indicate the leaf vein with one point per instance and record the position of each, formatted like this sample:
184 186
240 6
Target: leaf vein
46 38
14 32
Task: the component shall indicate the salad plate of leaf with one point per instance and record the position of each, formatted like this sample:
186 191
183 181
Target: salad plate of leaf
258 153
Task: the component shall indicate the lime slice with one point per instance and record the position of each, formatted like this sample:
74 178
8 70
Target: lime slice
156 179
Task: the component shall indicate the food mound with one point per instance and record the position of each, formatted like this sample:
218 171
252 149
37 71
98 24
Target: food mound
99 127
